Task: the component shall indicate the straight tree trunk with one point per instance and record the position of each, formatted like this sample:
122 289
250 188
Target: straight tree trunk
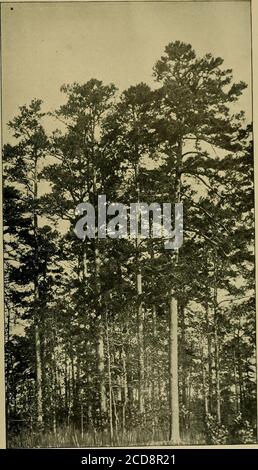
39 387
209 347
240 375
140 314
8 362
110 411
204 384
183 353
130 388
154 375
101 371
217 375
66 392
174 433
236 384
54 386
216 345
38 378
82 421
73 384
100 339
125 391
140 322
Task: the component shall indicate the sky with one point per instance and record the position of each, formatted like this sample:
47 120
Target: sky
46 45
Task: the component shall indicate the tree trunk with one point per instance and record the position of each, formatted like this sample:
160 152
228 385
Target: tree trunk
39 388
217 375
240 375
216 345
204 384
140 322
66 383
73 385
154 378
209 346
140 312
236 384
183 357
100 340
110 411
54 387
125 391
38 378
101 371
8 362
174 433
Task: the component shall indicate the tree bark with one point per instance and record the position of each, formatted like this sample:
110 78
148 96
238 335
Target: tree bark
209 347
125 390
174 433
140 322
140 312
38 378
216 345
110 411
204 384
154 378
39 388
100 339
183 356
101 370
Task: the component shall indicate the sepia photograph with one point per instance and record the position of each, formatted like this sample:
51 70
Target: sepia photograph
128 224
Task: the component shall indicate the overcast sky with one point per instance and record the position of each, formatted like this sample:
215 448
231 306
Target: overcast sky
46 45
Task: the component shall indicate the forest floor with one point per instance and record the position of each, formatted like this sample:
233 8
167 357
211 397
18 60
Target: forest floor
66 437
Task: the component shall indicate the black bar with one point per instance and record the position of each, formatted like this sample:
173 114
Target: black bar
125 458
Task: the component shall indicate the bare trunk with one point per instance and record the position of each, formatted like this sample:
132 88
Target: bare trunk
101 370
204 385
216 345
66 392
38 378
54 398
73 386
183 358
140 313
100 342
110 411
39 388
8 362
125 391
174 434
140 320
217 374
154 378
240 376
237 404
82 422
209 346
